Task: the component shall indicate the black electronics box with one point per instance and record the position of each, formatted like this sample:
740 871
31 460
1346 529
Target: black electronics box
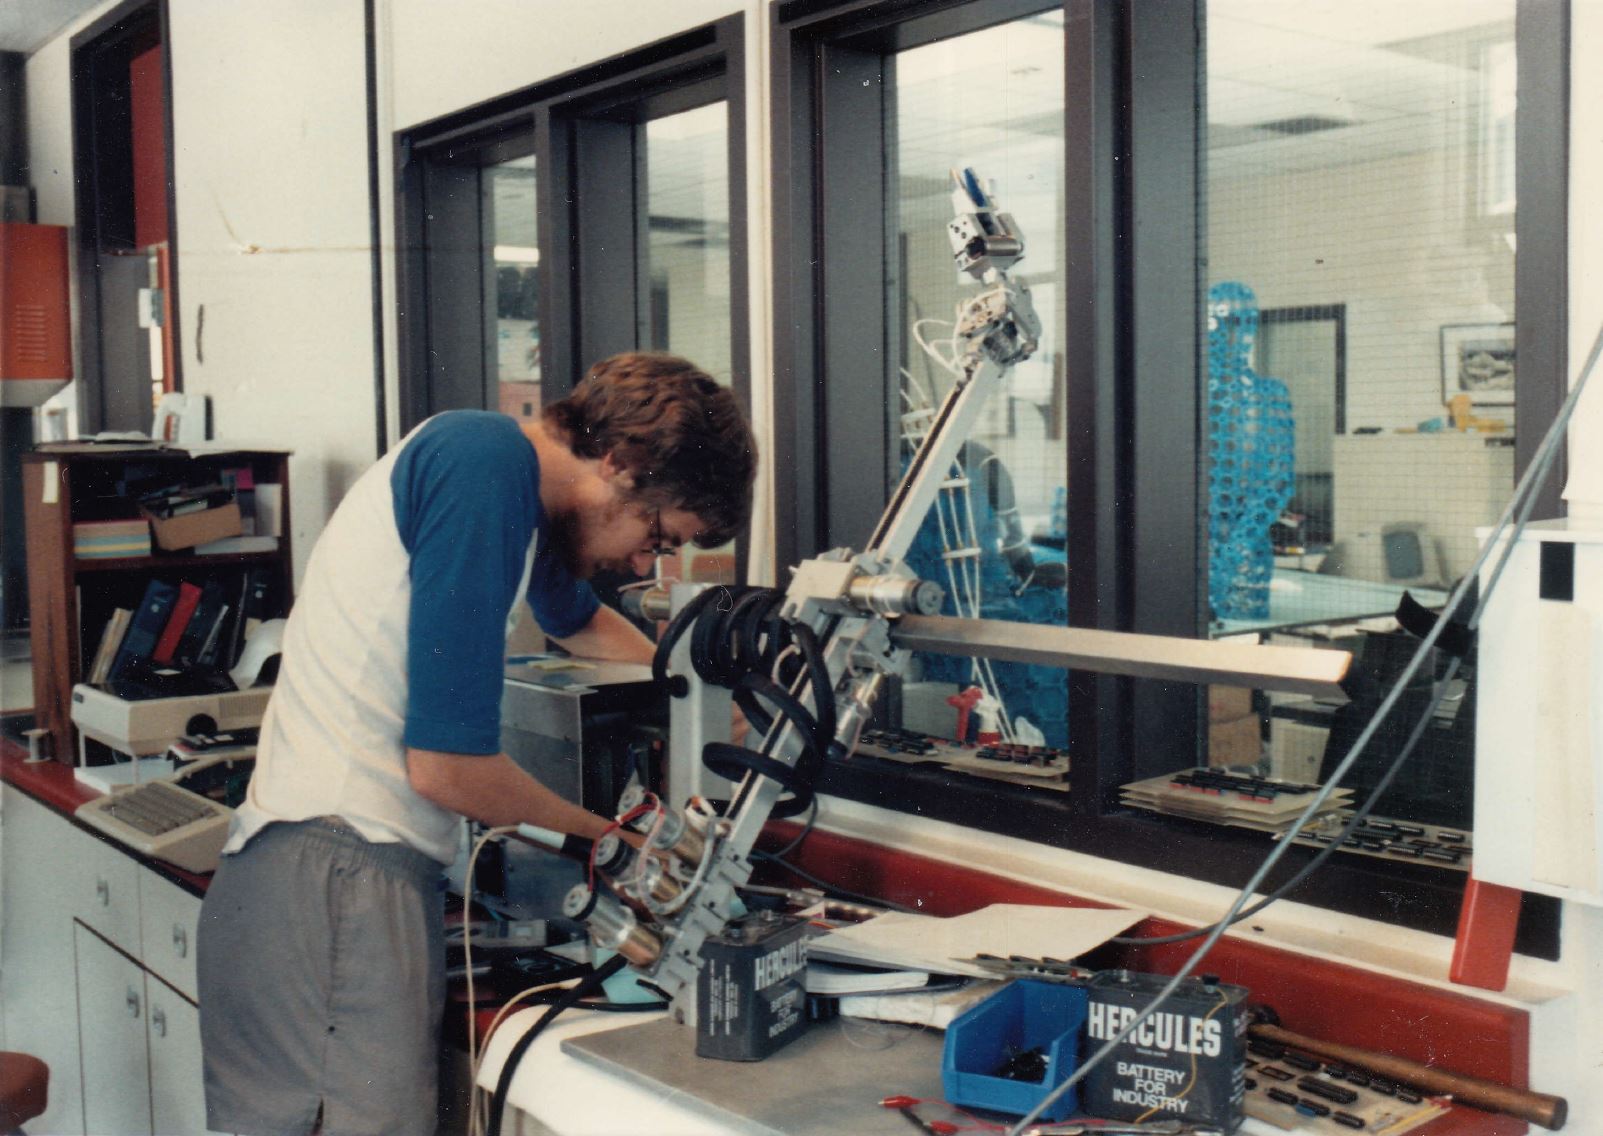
1186 1061
751 997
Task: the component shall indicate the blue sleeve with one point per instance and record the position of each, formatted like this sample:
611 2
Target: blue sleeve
467 504
562 605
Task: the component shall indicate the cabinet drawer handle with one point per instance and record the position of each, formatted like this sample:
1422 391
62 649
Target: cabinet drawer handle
103 891
180 940
133 1002
158 1021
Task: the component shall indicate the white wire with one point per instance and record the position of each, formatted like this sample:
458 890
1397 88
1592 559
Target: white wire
476 1101
947 363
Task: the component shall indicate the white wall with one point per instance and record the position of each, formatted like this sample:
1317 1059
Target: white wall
274 252
449 54
1404 267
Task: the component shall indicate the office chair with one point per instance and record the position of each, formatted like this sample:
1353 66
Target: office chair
24 1089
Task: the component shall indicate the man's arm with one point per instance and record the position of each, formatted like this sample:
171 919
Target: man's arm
495 791
609 635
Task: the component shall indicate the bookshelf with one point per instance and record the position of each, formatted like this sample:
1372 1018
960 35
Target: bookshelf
72 598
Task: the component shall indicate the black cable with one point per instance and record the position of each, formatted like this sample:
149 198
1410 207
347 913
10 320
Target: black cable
833 889
739 642
806 829
509 1067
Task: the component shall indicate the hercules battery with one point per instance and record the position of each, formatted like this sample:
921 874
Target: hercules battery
1185 1061
751 997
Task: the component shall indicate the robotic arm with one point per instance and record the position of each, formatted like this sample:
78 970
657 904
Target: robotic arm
847 620
836 616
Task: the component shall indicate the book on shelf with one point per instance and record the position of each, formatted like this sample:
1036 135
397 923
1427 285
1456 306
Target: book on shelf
249 601
145 627
202 626
183 610
110 640
109 540
214 636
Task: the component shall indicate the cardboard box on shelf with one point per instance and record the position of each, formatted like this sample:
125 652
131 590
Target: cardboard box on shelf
189 529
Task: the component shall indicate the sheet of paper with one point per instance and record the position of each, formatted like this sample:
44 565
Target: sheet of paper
940 945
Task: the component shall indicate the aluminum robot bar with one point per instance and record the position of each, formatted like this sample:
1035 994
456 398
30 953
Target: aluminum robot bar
1302 670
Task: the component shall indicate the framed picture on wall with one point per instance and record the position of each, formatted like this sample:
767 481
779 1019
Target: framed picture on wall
1478 360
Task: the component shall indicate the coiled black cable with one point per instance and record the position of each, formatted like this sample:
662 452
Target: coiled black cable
739 642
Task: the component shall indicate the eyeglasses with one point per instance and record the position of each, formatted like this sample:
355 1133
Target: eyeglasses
661 544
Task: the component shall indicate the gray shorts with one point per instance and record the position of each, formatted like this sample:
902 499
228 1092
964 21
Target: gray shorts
321 963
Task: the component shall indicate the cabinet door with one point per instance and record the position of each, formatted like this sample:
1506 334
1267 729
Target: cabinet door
168 917
177 1090
106 891
36 951
111 1028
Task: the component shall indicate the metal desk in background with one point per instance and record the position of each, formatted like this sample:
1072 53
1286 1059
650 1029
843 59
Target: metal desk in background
1299 599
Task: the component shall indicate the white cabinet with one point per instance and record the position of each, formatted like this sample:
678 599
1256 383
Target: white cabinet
111 1024
81 914
105 893
168 917
141 1047
177 1091
36 951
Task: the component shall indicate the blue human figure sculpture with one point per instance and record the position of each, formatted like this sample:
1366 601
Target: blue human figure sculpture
1251 446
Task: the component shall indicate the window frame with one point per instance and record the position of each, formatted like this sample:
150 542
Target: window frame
114 388
1135 228
574 124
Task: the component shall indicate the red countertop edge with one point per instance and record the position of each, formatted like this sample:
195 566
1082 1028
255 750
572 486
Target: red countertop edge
1313 996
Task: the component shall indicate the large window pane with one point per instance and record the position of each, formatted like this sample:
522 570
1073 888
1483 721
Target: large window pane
687 269
991 100
514 259
1360 410
687 194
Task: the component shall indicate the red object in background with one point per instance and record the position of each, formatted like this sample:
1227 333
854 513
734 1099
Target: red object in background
1485 942
148 105
35 313
964 703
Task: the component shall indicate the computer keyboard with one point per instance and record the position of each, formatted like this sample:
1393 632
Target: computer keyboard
163 821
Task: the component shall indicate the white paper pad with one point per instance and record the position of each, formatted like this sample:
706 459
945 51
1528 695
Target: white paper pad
928 942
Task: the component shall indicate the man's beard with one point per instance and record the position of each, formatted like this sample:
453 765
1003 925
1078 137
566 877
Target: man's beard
564 541
570 534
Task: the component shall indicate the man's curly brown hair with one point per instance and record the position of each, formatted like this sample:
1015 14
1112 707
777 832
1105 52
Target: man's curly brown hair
678 433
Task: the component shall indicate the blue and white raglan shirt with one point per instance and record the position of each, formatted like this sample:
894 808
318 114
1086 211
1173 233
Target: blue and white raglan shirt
398 636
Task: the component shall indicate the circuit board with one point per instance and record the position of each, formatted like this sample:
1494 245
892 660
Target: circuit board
1223 797
1393 840
1294 1091
1041 767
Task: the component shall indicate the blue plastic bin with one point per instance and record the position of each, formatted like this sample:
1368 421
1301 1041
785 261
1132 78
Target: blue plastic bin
1021 1016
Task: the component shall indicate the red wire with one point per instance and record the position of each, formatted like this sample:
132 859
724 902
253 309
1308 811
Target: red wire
612 826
